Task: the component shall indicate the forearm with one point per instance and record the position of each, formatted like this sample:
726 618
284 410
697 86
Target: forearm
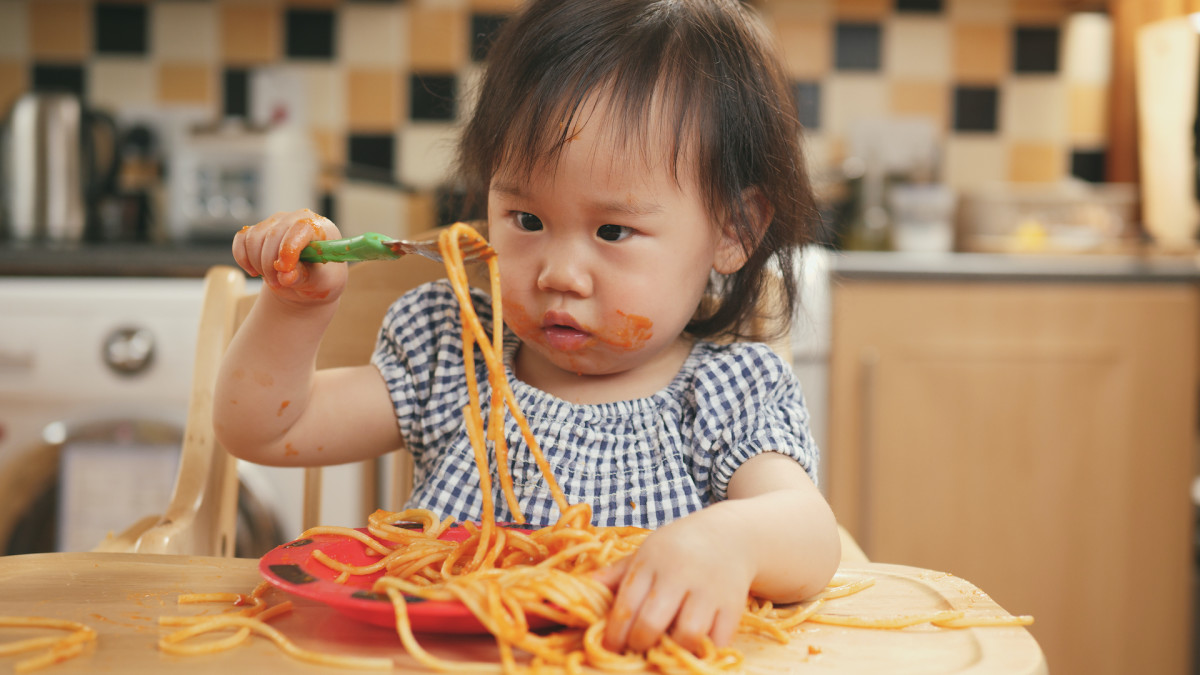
266 378
788 536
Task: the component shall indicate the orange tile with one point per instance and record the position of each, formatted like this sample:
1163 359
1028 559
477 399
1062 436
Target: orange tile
498 6
982 52
1039 12
14 80
185 83
1087 114
807 46
372 99
422 213
863 10
60 29
331 153
923 99
251 34
438 39
1036 163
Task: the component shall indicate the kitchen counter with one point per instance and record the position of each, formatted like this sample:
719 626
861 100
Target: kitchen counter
112 260
1015 267
192 260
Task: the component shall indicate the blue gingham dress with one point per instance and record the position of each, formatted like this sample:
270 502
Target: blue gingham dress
642 462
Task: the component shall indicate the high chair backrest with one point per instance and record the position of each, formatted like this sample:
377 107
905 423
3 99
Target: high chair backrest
202 516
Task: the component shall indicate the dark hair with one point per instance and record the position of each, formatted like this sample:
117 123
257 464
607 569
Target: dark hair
734 119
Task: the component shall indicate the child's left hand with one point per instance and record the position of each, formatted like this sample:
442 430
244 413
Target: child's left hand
689 580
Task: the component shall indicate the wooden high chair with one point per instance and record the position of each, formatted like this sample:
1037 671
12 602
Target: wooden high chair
201 518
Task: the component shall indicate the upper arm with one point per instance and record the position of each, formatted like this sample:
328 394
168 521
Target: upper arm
349 417
768 472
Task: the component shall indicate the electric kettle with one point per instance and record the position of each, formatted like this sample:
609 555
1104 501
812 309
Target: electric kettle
51 166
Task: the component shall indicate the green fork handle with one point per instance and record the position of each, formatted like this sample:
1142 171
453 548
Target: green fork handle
369 246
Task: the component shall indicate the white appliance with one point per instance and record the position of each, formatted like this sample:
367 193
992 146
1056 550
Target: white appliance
94 380
1168 87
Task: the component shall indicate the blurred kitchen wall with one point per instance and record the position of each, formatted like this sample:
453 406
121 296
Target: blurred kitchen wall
1016 89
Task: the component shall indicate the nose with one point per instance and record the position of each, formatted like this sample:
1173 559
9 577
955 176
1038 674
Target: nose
564 269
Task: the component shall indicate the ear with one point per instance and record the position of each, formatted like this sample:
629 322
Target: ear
735 247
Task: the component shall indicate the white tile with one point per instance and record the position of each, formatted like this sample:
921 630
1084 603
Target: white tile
116 83
917 48
184 31
426 154
972 161
1033 108
14 29
847 99
365 207
373 35
326 84
1087 49
312 93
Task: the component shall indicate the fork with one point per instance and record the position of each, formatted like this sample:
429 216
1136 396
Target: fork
375 246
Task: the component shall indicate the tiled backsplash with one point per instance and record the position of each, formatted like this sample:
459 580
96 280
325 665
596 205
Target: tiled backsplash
1016 89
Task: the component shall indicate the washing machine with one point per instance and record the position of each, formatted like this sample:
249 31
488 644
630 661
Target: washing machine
94 381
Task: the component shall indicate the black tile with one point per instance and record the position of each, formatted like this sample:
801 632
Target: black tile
1035 49
1088 165
120 28
857 46
310 33
432 97
483 31
808 103
328 206
371 156
918 5
975 108
235 85
59 77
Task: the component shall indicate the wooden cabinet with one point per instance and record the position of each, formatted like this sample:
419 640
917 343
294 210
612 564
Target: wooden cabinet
1037 439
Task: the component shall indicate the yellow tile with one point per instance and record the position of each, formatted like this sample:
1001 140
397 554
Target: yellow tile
438 39
499 6
813 10
14 80
923 99
1039 11
806 46
982 52
1036 162
1087 114
250 34
372 99
422 213
862 10
185 83
331 153
979 10
60 29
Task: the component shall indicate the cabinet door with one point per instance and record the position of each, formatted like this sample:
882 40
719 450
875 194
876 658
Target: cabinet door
1035 439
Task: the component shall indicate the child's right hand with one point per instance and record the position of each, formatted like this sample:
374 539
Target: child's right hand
271 250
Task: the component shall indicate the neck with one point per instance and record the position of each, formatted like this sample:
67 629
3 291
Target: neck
640 382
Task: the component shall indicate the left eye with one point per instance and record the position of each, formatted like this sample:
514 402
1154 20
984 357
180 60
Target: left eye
613 232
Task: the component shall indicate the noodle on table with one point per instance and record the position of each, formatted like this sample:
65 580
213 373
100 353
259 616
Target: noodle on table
505 576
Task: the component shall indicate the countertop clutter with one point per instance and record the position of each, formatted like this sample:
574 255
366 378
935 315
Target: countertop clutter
112 259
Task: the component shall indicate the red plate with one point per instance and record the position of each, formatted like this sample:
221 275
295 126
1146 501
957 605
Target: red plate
292 568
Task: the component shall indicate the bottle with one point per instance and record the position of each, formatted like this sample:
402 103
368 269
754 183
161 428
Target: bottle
290 169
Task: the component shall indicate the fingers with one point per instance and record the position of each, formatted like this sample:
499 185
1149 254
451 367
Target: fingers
611 576
633 588
271 249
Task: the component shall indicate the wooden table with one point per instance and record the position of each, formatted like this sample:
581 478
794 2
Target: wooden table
121 596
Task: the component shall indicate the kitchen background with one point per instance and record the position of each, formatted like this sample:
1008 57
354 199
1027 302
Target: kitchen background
979 126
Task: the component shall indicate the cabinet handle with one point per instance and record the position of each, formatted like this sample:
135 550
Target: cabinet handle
869 364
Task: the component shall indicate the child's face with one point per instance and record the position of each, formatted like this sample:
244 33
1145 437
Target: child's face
604 257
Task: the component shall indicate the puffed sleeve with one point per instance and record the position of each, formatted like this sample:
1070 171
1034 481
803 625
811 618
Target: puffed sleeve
748 402
411 356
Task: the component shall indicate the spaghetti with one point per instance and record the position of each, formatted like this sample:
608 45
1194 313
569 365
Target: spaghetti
58 649
505 576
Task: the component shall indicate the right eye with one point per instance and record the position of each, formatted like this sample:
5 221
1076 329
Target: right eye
528 222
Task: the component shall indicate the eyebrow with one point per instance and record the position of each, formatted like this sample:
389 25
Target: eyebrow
603 206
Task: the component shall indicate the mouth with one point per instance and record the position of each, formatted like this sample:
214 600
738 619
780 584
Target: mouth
563 332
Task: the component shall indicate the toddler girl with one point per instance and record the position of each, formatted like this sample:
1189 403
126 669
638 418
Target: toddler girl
641 169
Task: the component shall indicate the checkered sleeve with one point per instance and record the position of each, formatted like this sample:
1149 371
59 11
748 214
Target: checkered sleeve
409 351
751 402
